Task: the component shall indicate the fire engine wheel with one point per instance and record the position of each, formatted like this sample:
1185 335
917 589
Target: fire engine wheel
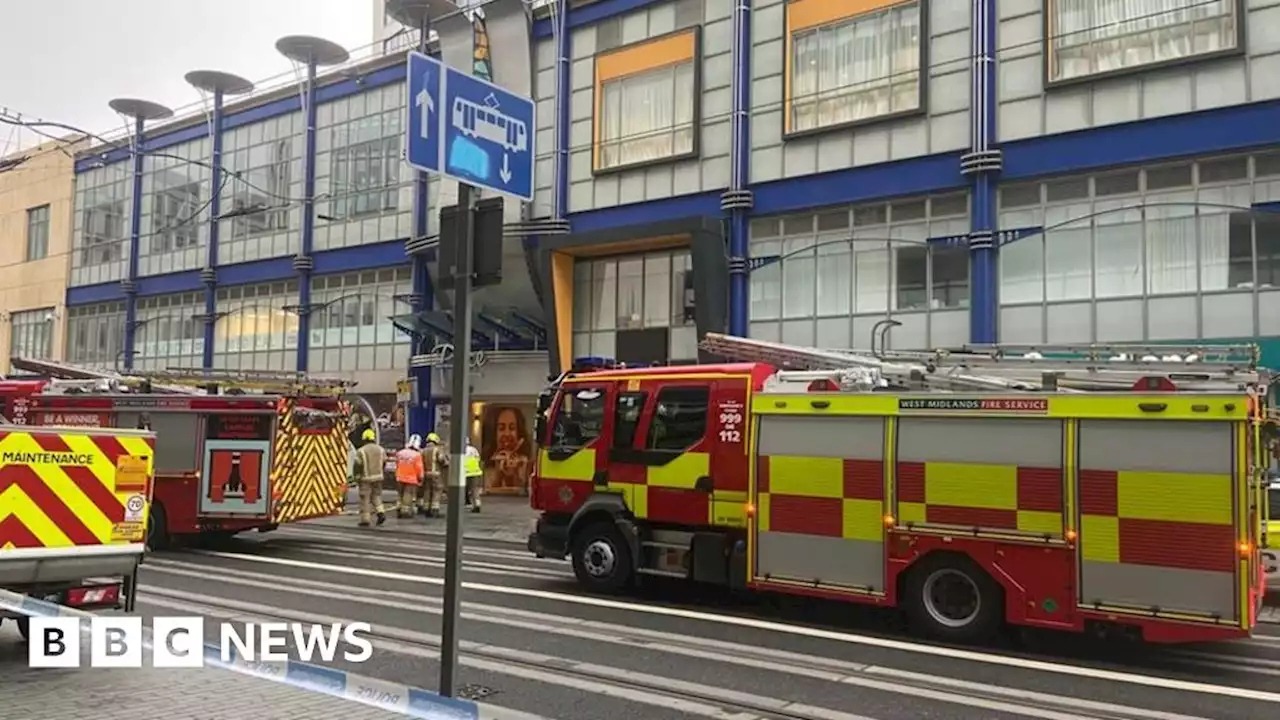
953 599
157 528
601 558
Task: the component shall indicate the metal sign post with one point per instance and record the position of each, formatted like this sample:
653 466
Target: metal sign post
460 412
482 135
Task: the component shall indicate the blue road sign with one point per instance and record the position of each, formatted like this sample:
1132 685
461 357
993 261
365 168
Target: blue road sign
423 140
487 135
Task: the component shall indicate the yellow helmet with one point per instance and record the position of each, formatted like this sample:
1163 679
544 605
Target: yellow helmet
368 435
433 438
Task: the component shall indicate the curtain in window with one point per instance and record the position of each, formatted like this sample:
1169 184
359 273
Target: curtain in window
1215 236
861 68
1097 36
1171 244
647 116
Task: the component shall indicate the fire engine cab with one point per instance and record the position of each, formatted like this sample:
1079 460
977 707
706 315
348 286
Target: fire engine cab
234 450
1116 489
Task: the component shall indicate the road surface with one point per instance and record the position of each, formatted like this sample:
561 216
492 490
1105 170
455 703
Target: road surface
533 642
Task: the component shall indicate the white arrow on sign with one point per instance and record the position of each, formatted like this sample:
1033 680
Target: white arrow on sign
426 106
505 172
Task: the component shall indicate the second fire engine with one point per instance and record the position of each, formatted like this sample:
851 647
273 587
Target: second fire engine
235 450
1107 490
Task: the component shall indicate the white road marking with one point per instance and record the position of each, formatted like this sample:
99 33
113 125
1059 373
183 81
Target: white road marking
562 679
836 636
833 670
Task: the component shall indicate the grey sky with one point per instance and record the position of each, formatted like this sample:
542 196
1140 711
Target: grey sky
62 60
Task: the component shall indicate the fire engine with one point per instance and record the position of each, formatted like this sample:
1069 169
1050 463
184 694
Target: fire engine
1117 490
235 450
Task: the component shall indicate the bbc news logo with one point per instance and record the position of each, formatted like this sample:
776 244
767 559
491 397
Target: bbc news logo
179 642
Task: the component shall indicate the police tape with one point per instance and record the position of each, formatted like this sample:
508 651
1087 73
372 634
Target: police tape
402 699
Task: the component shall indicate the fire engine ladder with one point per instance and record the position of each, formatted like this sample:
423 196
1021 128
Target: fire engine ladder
1004 367
76 379
278 382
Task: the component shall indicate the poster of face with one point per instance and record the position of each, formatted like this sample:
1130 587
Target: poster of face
506 448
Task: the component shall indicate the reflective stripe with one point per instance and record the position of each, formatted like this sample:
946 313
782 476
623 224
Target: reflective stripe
61 489
819 515
1150 536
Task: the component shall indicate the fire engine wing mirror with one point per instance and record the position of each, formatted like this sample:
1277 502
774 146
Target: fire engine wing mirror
561 453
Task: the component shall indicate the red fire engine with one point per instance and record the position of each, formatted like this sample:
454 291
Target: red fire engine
235 451
1115 490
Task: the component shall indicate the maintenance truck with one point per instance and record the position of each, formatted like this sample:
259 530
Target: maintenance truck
1117 490
237 450
73 513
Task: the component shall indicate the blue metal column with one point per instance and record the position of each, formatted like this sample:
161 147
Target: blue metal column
560 164
738 199
130 284
210 273
302 262
982 164
422 415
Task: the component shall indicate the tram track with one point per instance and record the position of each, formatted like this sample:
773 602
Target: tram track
984 696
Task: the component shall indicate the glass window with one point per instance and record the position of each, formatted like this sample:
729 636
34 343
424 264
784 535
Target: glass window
647 116
855 69
579 419
871 276
37 233
365 174
175 199
766 281
1068 252
351 321
657 290
949 270
680 418
799 267
96 335
834 273
626 418
1099 36
1267 240
630 293
32 333
910 269
1118 261
1171 232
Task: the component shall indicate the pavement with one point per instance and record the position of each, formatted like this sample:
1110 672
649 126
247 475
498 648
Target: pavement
503 518
532 642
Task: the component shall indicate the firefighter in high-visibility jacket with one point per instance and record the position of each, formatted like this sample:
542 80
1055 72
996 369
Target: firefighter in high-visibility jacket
370 461
409 472
475 476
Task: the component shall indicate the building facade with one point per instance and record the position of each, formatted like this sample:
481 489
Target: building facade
1023 171
36 190
277 233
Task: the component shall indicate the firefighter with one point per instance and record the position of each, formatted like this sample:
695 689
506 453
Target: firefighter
370 461
409 475
475 477
432 490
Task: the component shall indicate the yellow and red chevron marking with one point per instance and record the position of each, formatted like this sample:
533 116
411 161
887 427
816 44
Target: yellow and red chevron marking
54 505
309 469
